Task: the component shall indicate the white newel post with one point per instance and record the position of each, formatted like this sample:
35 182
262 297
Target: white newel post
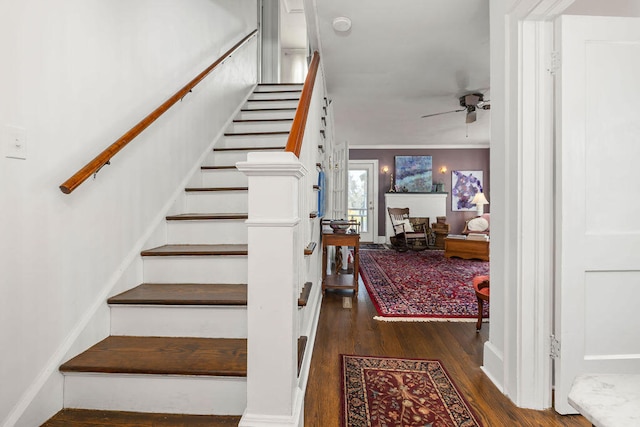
275 256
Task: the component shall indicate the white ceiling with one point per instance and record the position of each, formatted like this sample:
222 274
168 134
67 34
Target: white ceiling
401 60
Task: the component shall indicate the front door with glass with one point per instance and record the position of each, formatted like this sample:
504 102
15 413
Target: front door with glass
362 205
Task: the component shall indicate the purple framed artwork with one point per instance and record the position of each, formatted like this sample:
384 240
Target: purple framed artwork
465 185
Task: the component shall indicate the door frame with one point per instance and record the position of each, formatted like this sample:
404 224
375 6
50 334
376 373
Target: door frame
373 220
516 357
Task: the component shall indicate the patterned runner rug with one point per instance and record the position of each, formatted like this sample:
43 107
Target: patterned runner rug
421 286
391 392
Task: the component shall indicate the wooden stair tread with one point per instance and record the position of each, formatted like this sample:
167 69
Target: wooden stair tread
206 216
163 356
212 189
267 109
218 167
302 346
280 84
261 120
280 91
304 295
95 418
184 294
266 133
310 248
281 147
272 99
186 250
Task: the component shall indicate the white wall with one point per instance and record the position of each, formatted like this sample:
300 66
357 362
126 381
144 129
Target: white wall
604 8
76 75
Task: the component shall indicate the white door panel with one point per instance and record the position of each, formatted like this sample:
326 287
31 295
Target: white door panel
598 225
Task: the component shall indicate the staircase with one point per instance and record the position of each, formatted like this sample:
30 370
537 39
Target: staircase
178 342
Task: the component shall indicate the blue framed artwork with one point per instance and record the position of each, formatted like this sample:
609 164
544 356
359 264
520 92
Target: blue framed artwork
321 194
465 185
414 174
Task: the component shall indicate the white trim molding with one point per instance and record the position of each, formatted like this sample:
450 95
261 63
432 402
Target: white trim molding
274 232
516 357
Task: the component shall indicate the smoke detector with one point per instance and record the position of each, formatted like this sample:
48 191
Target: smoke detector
342 24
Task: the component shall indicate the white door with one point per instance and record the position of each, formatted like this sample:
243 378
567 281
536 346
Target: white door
598 199
362 206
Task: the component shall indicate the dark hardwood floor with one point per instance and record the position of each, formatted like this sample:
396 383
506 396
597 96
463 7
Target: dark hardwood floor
353 331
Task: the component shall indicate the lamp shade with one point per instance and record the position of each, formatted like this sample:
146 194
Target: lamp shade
479 199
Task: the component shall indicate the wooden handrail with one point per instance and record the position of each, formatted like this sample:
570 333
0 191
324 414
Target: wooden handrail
103 158
294 143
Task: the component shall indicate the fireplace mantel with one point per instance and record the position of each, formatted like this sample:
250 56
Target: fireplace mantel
421 205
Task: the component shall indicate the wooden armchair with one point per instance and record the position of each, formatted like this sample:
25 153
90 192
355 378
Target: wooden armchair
408 234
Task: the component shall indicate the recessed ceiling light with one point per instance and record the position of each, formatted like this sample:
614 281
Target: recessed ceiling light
342 24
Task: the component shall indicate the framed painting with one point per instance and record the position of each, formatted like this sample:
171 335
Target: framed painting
414 174
465 185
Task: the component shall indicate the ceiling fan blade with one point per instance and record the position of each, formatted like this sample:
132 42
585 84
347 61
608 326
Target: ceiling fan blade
471 117
446 112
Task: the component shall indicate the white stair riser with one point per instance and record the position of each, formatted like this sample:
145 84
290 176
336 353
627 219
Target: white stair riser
223 178
195 269
230 158
261 126
265 115
208 232
225 158
272 88
179 321
238 141
281 94
217 201
156 393
261 105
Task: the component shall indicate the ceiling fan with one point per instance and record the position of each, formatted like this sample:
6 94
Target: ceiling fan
471 103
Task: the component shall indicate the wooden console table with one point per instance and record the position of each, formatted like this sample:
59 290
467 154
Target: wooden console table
340 281
466 249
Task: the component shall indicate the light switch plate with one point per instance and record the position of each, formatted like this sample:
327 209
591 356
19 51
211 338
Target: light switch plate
15 142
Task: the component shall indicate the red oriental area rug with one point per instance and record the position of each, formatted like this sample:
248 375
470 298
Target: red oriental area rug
389 392
421 286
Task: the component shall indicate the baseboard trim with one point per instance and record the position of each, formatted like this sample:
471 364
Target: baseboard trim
493 365
263 420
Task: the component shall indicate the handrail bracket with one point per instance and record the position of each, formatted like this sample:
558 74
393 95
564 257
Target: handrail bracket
108 162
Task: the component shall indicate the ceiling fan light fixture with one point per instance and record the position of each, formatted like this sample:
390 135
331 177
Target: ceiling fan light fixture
342 24
472 99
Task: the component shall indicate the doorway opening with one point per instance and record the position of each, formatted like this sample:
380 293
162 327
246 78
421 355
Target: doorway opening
362 193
